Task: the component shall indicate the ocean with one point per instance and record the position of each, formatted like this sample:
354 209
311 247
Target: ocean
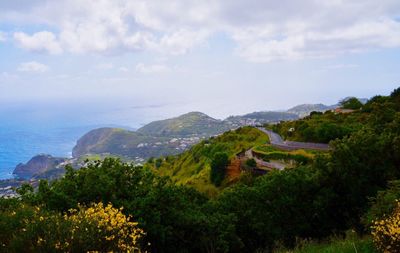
19 143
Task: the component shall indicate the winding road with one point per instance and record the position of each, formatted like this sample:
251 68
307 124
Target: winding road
277 141
272 165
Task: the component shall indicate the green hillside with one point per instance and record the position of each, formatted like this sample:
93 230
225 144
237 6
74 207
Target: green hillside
259 118
164 137
322 127
330 124
192 123
193 166
120 142
306 109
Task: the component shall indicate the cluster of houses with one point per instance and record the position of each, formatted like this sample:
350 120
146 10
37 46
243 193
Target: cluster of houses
7 192
180 143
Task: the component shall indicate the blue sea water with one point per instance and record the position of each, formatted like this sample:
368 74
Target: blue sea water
19 143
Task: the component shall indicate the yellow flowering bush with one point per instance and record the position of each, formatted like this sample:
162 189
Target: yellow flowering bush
386 232
108 228
96 228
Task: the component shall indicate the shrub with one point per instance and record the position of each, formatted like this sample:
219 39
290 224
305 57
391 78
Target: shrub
158 162
383 204
278 155
95 228
219 163
386 232
251 163
351 103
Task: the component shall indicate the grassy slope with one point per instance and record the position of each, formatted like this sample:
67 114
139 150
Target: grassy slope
311 128
193 166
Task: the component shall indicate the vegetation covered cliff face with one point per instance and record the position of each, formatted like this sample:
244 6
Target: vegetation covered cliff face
39 164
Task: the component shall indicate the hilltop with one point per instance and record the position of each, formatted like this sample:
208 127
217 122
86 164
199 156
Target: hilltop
39 164
259 118
305 109
192 123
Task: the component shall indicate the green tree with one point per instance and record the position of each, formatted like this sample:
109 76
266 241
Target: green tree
383 204
395 97
251 163
219 163
351 103
158 162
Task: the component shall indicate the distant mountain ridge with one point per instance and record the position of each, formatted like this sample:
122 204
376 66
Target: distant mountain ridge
305 109
259 118
169 136
160 138
192 123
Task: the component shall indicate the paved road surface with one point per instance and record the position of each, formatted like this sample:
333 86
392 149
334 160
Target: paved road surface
277 141
272 165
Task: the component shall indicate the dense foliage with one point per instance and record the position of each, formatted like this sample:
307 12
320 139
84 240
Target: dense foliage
351 103
218 165
327 196
321 127
27 228
383 204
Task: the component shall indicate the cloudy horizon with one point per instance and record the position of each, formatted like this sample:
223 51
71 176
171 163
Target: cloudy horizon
219 57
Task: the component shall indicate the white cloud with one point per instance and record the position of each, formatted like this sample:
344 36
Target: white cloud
41 41
262 30
294 42
181 41
151 69
33 66
123 69
7 77
3 36
104 66
342 66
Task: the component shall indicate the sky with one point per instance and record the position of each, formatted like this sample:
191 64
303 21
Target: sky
219 57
